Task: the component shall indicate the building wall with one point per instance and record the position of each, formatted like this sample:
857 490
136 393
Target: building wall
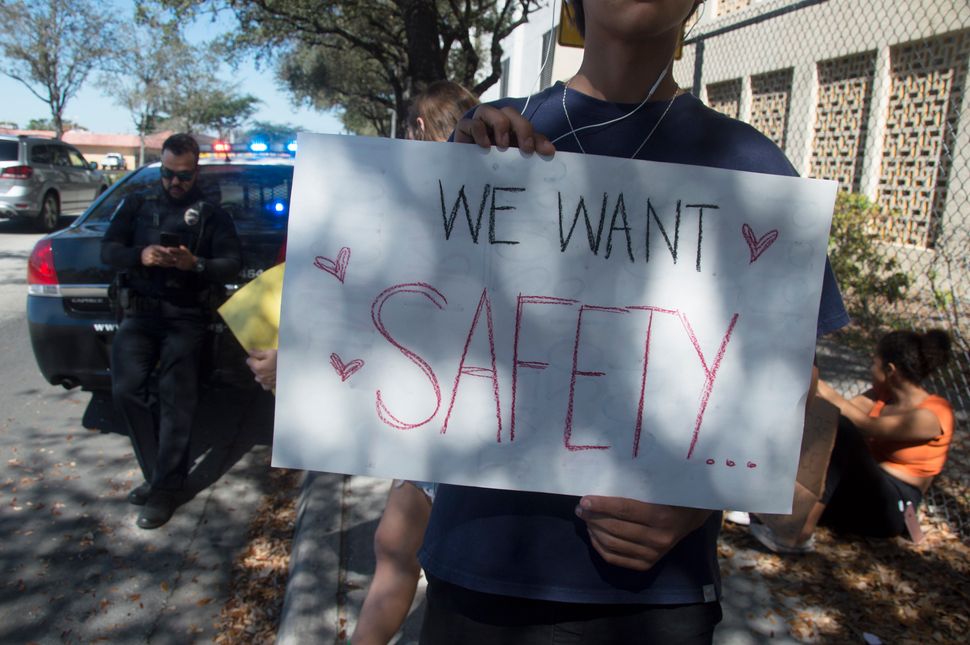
877 101
524 51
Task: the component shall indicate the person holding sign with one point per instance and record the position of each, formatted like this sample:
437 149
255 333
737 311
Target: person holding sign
523 567
431 117
891 442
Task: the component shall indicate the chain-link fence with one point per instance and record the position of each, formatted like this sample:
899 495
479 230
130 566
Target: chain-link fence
874 95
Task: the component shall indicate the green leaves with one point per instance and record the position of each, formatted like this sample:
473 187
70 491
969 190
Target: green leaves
51 47
367 58
869 276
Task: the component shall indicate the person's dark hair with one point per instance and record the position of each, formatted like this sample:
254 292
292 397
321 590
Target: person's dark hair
580 15
440 106
915 355
180 143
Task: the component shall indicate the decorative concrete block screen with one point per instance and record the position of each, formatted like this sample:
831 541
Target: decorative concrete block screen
770 102
927 88
726 7
842 114
726 97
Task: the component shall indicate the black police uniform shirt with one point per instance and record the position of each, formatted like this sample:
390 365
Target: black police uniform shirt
201 226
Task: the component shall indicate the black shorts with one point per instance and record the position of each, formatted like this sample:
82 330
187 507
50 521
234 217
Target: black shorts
860 496
455 614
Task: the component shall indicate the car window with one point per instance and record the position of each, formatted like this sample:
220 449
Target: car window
76 159
257 197
40 154
9 150
59 153
141 180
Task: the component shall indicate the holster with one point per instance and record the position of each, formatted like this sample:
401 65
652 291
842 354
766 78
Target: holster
119 295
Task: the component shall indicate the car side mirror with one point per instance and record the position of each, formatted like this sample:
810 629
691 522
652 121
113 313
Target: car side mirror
93 165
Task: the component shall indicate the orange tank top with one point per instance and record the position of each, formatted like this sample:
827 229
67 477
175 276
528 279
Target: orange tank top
922 460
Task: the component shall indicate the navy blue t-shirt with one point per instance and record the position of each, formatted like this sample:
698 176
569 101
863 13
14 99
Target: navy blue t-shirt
532 545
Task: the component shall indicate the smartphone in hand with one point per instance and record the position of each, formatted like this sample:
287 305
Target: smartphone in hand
170 240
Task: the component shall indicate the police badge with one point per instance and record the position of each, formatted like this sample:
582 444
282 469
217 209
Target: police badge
193 214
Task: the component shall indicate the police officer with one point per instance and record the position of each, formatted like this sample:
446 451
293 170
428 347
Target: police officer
172 246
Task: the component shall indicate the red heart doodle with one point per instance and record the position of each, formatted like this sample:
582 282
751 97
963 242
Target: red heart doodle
345 370
337 269
757 246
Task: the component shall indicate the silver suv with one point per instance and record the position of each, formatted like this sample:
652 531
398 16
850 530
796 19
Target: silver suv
42 178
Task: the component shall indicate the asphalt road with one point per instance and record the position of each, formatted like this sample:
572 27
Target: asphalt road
73 565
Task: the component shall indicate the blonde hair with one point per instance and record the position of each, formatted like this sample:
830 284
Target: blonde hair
440 106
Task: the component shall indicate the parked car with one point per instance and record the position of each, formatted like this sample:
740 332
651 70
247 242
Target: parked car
68 312
41 179
114 161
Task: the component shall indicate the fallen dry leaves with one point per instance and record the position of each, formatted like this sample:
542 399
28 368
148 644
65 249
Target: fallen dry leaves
259 573
850 586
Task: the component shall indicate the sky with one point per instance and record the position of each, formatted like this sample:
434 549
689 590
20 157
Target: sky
99 113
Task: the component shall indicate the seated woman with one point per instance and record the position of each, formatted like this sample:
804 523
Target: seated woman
891 442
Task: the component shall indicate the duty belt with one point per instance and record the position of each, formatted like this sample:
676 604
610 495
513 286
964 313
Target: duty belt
139 304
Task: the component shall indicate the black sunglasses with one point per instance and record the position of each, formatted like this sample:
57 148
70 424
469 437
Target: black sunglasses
184 176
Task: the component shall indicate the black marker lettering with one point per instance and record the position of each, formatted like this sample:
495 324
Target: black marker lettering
491 214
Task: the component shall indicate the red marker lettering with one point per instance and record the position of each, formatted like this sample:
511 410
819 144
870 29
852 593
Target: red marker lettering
710 372
438 301
568 432
638 429
516 363
482 372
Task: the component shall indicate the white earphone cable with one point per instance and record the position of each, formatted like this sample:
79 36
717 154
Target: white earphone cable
573 131
667 68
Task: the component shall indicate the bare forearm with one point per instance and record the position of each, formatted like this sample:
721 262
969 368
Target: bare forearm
386 605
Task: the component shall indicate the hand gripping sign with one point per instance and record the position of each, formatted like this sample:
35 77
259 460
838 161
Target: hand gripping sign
574 324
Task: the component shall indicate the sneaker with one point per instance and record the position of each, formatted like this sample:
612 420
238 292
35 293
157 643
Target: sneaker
767 538
737 517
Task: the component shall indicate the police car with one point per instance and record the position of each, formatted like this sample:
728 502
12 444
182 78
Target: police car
68 312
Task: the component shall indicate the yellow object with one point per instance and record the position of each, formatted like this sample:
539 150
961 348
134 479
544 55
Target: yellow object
253 312
568 31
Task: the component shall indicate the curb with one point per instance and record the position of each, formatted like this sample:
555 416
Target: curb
310 611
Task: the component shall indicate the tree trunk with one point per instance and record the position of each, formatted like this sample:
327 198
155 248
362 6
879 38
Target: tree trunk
425 60
425 63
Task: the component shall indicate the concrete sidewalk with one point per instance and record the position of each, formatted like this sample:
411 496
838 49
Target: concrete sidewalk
75 568
333 560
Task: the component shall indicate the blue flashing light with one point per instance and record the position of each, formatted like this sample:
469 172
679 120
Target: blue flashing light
291 147
258 146
277 207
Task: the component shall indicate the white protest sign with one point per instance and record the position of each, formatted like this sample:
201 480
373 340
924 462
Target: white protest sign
573 324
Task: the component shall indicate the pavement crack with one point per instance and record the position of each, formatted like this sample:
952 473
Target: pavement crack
183 560
340 629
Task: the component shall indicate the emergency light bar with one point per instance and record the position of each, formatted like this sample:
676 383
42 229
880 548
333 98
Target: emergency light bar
249 148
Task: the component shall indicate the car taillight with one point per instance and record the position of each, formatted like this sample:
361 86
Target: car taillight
41 276
17 172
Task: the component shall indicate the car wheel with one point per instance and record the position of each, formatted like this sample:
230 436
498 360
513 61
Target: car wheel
50 213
